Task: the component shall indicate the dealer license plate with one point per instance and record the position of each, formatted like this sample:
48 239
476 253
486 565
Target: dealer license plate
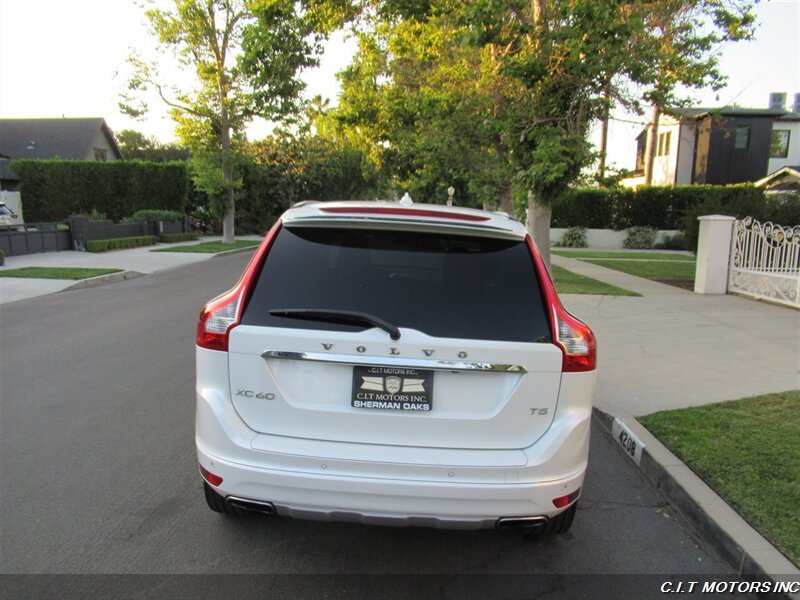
392 388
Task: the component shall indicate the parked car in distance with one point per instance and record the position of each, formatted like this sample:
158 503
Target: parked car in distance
7 216
395 363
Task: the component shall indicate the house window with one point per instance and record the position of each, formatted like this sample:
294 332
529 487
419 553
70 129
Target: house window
663 144
779 144
100 154
741 138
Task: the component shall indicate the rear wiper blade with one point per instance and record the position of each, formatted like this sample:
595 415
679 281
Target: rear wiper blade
340 316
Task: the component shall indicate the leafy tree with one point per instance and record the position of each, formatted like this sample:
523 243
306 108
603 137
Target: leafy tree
137 146
246 55
430 106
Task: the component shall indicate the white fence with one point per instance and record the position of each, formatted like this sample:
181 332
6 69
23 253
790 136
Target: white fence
765 261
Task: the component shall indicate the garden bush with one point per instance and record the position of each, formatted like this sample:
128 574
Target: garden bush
574 237
120 243
2 257
640 238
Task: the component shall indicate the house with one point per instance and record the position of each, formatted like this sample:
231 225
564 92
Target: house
784 180
721 145
69 139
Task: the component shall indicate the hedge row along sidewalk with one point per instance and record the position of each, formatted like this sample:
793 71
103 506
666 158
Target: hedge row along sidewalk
120 243
670 207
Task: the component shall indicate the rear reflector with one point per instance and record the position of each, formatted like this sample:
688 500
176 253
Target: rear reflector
210 477
402 212
563 501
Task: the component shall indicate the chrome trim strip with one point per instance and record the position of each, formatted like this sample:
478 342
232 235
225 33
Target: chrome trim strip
386 361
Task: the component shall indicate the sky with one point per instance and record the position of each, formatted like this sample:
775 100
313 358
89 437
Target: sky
67 58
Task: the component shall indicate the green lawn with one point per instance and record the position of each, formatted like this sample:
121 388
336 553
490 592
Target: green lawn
672 270
210 247
568 282
56 272
624 255
748 452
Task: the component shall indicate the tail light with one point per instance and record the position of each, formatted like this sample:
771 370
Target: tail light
224 312
571 335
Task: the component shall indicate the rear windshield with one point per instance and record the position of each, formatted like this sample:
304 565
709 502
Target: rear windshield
443 285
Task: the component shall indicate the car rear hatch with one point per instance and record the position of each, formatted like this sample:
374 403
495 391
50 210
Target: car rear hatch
392 335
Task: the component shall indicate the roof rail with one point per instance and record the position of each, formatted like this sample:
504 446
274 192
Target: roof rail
305 203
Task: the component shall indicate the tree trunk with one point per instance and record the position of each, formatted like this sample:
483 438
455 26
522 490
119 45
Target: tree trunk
601 171
507 200
539 226
650 150
228 223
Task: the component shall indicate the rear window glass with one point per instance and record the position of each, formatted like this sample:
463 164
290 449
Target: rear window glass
443 285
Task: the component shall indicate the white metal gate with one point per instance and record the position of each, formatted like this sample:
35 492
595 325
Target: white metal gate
765 261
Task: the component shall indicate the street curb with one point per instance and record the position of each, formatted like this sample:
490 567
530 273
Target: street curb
103 280
737 542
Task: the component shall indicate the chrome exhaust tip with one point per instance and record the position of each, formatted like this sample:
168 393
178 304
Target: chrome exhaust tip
520 522
266 508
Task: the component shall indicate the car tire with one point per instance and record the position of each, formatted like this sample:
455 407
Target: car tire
217 503
557 525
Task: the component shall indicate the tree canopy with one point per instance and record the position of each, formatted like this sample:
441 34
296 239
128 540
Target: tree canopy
246 56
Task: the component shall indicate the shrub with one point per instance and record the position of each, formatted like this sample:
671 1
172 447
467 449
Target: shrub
2 257
120 243
574 237
164 215
640 238
171 238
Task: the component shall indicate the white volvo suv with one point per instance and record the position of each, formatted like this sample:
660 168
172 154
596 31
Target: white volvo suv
395 364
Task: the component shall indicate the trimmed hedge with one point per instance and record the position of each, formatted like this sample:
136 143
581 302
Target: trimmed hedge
120 243
164 215
51 190
670 207
656 207
2 257
171 238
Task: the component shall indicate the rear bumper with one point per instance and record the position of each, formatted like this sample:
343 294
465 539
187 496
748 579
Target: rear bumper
464 494
386 501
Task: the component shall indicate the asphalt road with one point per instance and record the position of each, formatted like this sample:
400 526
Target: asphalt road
98 476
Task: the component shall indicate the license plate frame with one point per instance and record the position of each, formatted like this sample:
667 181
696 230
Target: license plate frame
400 389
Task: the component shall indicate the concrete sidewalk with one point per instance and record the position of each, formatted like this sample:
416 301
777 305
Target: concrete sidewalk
672 348
133 262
